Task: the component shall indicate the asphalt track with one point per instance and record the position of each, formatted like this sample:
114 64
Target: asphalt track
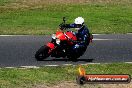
19 50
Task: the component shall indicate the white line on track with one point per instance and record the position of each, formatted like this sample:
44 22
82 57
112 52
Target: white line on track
26 67
29 67
129 33
90 63
103 39
44 35
67 64
128 62
14 35
51 65
98 34
30 35
9 67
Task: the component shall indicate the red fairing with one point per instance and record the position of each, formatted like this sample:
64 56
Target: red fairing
71 36
60 35
51 45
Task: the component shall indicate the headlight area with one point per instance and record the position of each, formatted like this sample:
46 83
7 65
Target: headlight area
54 36
57 41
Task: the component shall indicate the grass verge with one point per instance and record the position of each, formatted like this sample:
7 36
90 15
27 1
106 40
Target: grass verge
27 78
37 17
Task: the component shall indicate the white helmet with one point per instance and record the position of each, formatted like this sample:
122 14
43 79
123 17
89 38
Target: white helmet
79 20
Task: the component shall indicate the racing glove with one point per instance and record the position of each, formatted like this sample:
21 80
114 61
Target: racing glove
77 46
64 26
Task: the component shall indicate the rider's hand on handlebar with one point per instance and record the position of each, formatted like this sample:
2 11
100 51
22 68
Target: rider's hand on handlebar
77 46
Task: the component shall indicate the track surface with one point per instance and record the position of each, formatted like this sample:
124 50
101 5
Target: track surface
19 50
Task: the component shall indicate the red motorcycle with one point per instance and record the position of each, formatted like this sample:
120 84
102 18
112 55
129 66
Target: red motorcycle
60 46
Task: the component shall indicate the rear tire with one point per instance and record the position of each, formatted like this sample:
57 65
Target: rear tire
42 53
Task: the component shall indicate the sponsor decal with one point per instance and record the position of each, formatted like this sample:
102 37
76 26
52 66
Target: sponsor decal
83 78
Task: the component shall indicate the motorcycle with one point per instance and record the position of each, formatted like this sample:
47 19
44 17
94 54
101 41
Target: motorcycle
60 46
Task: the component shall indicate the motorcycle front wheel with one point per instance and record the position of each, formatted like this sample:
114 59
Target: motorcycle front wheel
42 53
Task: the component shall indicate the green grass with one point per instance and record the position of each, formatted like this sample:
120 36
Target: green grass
26 78
4 2
44 18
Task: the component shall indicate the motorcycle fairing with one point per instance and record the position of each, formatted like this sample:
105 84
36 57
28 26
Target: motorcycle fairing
71 36
60 35
51 45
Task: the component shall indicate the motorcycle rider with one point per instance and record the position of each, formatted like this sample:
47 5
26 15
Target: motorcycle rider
82 34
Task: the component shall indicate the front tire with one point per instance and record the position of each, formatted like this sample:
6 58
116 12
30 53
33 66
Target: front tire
42 53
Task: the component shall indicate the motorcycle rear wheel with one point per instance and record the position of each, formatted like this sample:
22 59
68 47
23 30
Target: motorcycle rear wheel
42 53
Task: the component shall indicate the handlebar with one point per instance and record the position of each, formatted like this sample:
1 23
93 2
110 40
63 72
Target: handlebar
63 23
64 20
